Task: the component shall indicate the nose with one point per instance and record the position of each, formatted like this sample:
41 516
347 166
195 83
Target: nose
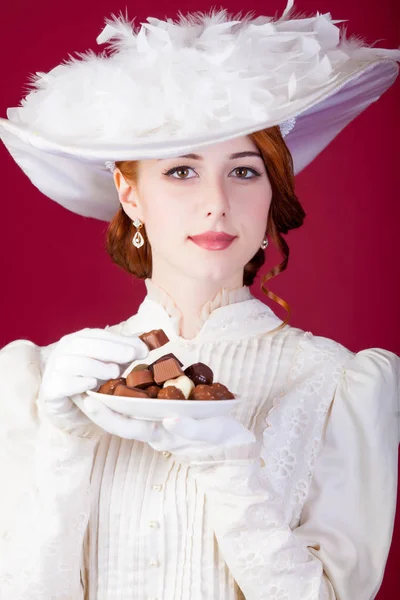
217 200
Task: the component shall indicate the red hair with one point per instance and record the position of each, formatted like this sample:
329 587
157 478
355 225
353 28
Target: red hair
285 213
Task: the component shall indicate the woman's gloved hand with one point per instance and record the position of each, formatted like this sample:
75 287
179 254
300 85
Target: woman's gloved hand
182 436
79 362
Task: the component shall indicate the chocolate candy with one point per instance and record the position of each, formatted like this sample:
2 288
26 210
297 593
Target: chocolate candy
140 367
199 373
171 393
145 381
164 357
183 383
109 386
166 369
201 392
154 338
215 391
170 355
124 390
140 379
220 392
153 390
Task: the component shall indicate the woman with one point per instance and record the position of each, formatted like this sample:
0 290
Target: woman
293 495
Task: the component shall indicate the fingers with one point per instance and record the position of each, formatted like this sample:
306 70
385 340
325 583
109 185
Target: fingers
86 367
213 430
125 427
104 350
58 385
129 340
80 359
198 430
60 406
79 400
104 334
80 385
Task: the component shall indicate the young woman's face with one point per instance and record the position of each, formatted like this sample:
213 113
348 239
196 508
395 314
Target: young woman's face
177 198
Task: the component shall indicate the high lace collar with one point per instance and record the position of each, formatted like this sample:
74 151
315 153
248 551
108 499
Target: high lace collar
230 313
223 297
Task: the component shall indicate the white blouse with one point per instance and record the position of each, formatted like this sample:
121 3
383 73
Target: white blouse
310 517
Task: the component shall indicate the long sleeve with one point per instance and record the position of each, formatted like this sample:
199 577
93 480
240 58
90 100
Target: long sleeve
348 517
45 502
339 549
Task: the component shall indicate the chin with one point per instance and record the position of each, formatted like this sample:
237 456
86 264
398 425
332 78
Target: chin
210 274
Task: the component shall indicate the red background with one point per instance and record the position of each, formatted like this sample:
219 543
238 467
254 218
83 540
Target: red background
341 279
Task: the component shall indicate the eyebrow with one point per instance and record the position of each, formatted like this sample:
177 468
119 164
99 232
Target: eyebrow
231 157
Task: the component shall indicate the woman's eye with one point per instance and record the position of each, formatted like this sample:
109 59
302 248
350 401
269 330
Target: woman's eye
185 169
247 169
179 170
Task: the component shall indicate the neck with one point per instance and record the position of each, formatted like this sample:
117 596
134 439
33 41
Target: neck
190 295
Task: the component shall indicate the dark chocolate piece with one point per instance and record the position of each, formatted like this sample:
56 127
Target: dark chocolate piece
200 374
154 338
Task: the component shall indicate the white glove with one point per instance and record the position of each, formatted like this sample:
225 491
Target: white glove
182 436
78 363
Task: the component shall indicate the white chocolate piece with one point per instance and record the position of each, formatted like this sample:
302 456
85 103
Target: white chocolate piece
183 383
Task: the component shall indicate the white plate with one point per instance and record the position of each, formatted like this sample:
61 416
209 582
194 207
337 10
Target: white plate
152 409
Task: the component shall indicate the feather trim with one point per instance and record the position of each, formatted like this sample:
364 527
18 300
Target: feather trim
188 77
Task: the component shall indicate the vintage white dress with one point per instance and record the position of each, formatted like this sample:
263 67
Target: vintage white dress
310 517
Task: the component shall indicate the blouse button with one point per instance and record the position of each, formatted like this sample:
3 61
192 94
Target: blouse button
166 453
157 488
154 524
154 563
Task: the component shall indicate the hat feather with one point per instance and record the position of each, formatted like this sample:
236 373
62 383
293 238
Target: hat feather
178 78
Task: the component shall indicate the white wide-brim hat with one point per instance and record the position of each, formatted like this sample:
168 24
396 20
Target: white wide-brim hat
172 87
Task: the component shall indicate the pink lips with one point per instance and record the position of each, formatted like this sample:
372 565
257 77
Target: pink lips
213 240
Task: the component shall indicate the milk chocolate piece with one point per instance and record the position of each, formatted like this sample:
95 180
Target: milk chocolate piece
109 386
200 374
166 369
154 338
171 393
164 357
220 391
215 391
140 379
184 383
140 367
201 392
124 390
170 355
153 390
